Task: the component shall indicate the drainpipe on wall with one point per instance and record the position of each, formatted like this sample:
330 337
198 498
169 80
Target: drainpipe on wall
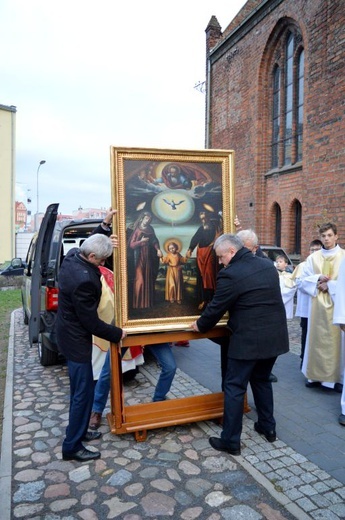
208 97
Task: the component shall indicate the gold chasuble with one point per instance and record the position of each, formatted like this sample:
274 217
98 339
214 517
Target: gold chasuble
324 338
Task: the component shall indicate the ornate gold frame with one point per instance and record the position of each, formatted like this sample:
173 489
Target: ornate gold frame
218 167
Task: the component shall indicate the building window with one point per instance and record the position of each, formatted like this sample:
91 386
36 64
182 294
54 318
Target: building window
297 208
278 224
300 101
287 101
276 117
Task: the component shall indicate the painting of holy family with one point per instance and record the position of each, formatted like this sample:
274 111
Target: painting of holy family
171 206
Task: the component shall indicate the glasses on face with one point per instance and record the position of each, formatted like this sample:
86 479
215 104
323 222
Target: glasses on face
313 249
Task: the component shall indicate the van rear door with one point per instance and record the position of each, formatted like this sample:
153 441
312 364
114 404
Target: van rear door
39 269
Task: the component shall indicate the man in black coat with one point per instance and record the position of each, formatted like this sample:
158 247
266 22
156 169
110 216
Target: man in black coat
77 320
248 288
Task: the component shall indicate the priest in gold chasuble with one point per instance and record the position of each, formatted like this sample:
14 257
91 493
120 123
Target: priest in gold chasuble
322 364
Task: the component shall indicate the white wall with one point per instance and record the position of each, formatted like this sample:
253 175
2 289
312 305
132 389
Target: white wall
7 172
22 244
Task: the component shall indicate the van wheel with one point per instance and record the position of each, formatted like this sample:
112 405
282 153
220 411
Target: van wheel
47 357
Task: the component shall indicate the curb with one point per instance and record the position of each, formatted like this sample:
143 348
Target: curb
6 444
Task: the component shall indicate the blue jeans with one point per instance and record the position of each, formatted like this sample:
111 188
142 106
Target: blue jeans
163 354
102 387
81 388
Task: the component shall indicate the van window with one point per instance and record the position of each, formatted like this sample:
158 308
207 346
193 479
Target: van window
30 257
68 244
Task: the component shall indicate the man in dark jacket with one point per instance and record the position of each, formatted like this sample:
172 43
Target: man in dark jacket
77 320
248 288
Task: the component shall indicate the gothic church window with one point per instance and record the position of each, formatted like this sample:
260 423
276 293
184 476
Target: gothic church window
287 101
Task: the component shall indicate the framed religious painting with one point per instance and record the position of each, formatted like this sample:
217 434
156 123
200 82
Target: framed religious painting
171 207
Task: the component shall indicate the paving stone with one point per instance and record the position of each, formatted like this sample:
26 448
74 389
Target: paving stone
120 478
236 512
26 510
192 513
183 498
216 498
162 484
62 505
30 492
188 468
28 475
80 474
158 504
198 486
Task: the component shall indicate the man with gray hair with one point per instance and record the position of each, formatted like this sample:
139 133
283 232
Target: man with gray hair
248 289
80 291
250 240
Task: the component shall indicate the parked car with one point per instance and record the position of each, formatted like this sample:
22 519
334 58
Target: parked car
41 276
273 251
15 268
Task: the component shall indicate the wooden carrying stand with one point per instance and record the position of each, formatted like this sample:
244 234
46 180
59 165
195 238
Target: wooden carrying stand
139 418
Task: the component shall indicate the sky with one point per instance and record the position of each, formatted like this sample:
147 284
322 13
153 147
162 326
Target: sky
86 75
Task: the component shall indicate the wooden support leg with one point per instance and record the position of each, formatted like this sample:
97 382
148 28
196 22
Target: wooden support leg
140 436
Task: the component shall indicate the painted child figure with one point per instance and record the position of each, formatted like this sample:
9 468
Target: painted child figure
287 284
174 277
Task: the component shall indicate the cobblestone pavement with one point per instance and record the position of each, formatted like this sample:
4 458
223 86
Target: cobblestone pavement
173 474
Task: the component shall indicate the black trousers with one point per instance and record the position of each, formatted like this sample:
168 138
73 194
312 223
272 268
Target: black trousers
304 328
81 399
238 374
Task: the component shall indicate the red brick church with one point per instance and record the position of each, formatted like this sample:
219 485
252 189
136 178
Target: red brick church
275 93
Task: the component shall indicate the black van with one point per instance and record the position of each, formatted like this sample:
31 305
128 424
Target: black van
41 275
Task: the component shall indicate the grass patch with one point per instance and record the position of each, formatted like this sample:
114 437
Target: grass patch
10 299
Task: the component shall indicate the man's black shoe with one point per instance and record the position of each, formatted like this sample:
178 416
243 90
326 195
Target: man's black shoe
272 378
217 444
338 387
81 455
92 436
312 384
270 435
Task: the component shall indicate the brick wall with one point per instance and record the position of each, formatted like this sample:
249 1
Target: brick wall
240 115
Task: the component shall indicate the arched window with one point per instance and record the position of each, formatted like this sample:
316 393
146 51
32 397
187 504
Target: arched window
299 107
278 224
287 100
276 116
297 209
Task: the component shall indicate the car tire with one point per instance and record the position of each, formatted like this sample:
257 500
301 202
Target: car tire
46 356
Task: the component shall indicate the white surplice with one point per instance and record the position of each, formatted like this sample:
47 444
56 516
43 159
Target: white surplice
339 318
287 289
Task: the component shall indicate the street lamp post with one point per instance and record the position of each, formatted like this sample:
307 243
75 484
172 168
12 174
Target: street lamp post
37 193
